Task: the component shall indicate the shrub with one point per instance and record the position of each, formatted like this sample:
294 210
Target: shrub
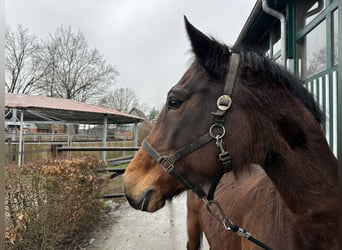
52 204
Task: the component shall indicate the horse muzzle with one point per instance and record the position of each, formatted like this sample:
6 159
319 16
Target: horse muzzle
141 192
140 203
146 200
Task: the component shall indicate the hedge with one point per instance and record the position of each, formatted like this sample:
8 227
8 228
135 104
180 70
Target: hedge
52 204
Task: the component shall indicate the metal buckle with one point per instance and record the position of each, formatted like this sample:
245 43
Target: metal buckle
167 168
224 102
218 135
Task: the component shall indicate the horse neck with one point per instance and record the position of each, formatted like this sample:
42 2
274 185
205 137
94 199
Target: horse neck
305 174
307 181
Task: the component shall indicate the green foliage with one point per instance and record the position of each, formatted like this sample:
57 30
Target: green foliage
52 204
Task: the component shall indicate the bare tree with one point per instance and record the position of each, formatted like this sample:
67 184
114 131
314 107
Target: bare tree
24 67
75 71
121 99
317 63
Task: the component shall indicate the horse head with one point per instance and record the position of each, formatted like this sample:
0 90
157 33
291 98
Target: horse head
186 116
236 103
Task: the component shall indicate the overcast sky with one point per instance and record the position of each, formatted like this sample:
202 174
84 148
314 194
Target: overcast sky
144 40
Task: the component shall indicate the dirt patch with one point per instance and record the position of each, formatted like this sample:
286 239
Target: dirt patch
129 229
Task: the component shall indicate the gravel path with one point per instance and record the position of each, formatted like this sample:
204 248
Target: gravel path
132 229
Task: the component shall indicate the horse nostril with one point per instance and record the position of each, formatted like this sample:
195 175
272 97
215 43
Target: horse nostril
146 200
141 204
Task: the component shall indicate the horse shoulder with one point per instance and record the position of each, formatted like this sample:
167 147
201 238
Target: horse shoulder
252 202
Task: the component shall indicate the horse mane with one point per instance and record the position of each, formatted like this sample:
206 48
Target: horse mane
261 64
215 63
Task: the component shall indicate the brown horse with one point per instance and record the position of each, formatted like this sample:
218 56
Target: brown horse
257 113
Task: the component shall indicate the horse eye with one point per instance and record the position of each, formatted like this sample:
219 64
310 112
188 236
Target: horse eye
174 103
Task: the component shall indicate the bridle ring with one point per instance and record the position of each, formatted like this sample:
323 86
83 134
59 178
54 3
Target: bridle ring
217 136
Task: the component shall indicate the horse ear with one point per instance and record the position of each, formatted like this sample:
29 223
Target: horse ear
210 54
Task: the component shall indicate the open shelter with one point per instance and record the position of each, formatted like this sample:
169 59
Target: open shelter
20 108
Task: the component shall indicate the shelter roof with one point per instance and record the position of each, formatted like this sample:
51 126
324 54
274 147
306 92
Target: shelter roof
258 22
53 110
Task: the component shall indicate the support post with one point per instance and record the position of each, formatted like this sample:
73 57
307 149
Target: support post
104 136
70 138
136 134
21 146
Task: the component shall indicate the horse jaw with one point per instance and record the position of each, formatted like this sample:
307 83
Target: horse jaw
146 186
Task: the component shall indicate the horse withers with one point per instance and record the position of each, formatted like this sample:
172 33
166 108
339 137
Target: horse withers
231 109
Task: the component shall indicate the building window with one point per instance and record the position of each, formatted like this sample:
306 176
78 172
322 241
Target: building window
306 11
312 51
335 36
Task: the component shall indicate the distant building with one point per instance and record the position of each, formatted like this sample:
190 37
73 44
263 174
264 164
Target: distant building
137 112
144 127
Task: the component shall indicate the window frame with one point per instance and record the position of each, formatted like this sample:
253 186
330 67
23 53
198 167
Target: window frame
327 13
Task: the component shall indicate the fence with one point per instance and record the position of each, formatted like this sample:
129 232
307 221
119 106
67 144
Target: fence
43 146
113 162
323 86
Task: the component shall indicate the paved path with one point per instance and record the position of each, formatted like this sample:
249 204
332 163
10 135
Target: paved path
132 229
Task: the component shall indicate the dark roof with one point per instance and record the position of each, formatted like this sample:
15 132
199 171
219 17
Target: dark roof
258 22
52 110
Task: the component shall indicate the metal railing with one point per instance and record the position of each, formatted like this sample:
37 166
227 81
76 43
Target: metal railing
41 146
323 87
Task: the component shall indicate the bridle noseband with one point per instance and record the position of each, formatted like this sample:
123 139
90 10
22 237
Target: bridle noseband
216 132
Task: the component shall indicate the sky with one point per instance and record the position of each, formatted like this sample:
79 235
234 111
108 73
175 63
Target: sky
145 40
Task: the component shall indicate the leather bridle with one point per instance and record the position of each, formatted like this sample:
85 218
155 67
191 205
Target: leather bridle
216 132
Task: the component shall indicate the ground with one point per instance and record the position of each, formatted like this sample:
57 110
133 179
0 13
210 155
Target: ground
130 229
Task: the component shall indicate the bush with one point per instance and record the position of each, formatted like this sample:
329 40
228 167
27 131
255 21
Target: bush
52 204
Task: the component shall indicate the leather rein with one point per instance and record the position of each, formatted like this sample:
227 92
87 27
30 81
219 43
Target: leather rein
216 132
